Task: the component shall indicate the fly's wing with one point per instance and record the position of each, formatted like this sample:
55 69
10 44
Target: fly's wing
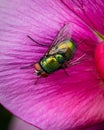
63 34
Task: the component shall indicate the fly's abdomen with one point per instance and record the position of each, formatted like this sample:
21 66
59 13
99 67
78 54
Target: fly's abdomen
67 48
51 63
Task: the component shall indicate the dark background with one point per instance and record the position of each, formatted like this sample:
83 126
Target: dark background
5 118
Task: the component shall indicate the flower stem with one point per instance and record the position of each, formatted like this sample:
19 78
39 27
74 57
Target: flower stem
99 35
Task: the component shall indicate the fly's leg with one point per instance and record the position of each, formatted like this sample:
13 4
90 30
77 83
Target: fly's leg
37 79
77 61
65 72
64 66
27 66
37 42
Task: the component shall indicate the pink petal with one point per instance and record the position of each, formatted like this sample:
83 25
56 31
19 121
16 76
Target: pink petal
90 11
56 102
17 124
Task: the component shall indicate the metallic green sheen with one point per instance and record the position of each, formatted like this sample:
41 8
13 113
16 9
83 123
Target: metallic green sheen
52 63
58 56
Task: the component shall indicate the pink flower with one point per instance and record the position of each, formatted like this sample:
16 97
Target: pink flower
58 102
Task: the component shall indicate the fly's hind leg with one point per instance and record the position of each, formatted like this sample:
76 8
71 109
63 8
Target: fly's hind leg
64 66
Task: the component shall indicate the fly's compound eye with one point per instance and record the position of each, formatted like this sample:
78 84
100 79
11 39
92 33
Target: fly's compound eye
59 58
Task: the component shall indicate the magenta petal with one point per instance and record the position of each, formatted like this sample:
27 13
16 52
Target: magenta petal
90 11
17 124
56 102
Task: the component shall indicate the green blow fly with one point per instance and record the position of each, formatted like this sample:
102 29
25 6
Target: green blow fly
58 55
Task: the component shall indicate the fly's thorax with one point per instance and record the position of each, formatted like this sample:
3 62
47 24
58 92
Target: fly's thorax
52 63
